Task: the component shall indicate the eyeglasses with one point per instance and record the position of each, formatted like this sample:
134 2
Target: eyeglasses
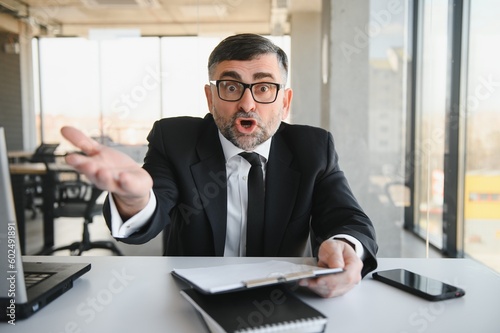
262 92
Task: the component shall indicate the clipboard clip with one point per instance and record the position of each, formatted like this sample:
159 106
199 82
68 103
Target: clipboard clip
278 278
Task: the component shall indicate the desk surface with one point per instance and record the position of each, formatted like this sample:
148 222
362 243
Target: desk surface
19 154
134 294
27 168
18 172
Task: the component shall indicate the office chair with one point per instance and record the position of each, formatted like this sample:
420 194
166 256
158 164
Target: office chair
76 198
44 153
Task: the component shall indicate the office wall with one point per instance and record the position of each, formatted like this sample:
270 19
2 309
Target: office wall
10 92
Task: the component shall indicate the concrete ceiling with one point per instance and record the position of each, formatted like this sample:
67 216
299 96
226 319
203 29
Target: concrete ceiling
156 17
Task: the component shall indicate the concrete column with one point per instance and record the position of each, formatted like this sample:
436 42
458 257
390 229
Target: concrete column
345 87
27 88
305 68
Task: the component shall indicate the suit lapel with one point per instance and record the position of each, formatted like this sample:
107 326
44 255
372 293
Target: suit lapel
210 177
282 184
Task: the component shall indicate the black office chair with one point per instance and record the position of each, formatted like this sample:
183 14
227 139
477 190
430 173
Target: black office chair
45 153
77 198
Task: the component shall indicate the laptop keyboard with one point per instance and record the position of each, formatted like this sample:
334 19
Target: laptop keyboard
31 279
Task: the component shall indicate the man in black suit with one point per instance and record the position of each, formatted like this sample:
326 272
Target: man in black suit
193 183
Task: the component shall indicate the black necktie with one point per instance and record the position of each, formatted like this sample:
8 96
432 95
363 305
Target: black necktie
255 209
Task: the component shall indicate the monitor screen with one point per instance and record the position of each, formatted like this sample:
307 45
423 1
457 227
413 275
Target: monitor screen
11 268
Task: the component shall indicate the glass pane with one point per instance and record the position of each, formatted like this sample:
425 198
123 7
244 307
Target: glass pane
110 89
69 85
482 174
185 73
114 89
431 99
130 80
184 63
388 67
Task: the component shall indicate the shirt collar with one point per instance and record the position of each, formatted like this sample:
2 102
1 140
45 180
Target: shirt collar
231 150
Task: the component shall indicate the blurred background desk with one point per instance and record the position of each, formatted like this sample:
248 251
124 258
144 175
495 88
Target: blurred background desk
58 191
18 172
19 156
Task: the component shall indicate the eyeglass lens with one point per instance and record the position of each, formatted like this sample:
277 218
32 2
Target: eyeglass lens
263 92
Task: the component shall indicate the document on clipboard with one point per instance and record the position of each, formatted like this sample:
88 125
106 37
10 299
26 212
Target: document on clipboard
219 279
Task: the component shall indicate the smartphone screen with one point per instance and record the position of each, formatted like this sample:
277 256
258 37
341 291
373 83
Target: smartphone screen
418 285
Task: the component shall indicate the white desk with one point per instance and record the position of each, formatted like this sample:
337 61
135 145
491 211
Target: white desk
138 294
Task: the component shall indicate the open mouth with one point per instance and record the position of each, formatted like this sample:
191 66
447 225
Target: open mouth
246 125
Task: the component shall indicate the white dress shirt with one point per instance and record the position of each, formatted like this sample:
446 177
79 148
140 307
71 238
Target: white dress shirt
237 169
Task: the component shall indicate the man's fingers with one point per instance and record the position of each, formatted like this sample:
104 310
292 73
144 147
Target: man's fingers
76 160
80 140
110 170
137 181
331 254
336 254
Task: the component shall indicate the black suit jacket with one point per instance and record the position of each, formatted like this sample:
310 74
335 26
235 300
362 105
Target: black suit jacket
306 192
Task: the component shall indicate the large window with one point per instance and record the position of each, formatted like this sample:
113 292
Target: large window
129 82
114 89
184 68
430 120
388 58
482 159
457 112
108 88
69 88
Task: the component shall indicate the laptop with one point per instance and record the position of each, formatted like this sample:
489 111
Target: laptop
25 288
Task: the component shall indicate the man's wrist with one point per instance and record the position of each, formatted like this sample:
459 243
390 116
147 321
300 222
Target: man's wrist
123 229
353 242
130 207
346 241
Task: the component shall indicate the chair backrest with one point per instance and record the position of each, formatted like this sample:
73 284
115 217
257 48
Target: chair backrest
77 199
45 153
93 208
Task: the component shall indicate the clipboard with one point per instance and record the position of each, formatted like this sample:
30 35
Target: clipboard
226 278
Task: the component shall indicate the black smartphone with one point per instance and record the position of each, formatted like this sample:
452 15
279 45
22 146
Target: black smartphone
416 284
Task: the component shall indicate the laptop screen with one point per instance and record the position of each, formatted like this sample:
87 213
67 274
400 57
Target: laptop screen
11 268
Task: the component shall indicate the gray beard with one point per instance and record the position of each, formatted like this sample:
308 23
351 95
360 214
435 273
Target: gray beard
244 141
